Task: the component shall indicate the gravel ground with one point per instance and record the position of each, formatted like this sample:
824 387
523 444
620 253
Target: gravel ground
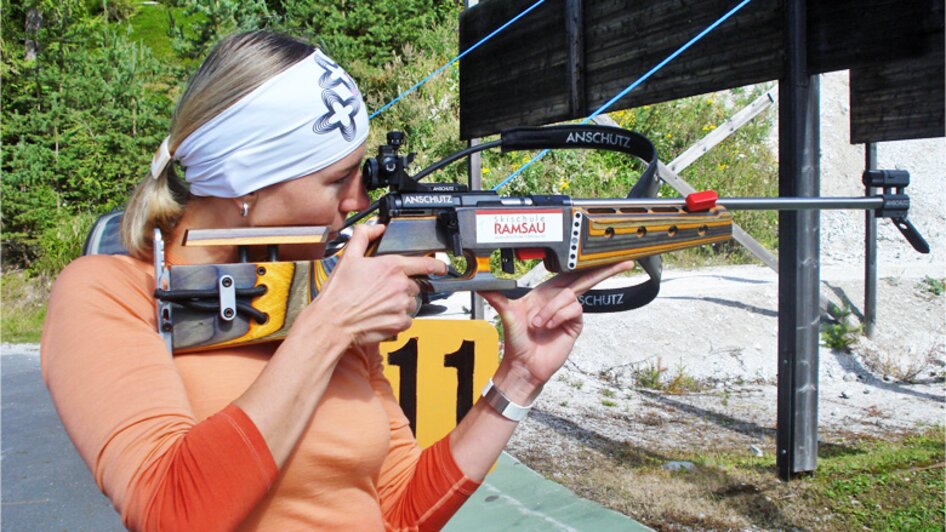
717 327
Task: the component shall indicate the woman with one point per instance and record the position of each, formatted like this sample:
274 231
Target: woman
304 433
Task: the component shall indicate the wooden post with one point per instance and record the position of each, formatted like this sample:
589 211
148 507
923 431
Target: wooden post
575 33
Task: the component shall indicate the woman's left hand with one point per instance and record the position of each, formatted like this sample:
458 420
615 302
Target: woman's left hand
541 328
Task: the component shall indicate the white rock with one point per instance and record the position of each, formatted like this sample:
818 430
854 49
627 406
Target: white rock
678 465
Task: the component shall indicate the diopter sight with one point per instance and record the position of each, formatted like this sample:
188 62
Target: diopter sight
388 169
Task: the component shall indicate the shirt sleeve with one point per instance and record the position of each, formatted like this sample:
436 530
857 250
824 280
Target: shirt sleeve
124 406
419 489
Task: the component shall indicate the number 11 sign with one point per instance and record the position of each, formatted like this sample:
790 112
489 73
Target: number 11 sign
437 369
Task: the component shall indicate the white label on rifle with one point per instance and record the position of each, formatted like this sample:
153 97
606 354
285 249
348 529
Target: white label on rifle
515 226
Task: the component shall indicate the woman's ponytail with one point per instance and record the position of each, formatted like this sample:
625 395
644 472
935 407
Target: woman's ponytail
156 202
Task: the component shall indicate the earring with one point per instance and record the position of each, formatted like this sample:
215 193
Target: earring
245 210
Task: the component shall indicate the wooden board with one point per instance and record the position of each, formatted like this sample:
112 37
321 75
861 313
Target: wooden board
523 76
900 99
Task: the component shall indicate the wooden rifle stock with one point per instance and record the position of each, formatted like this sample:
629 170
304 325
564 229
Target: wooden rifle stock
217 305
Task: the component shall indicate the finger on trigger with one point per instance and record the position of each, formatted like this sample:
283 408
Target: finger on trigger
412 266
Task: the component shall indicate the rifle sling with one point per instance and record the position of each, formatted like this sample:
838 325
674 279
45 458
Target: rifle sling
600 138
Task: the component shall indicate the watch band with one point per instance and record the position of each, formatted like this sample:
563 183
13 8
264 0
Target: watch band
502 404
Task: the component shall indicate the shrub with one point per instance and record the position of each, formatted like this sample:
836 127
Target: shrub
838 333
61 243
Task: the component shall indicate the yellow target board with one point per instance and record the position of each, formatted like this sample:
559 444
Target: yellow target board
437 369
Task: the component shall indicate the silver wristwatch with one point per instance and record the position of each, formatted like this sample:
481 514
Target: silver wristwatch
503 404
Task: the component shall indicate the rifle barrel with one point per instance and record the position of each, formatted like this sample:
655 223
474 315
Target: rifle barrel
746 204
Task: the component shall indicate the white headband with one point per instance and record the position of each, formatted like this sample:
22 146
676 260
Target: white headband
300 121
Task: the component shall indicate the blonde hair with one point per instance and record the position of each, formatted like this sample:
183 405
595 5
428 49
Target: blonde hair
235 66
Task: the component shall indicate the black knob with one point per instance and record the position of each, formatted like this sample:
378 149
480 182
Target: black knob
395 138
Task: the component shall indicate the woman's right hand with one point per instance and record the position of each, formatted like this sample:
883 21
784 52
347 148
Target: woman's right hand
371 299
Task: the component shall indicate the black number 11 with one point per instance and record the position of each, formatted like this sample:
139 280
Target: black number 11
405 359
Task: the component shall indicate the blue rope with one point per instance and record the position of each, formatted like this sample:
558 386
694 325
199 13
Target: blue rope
634 85
457 58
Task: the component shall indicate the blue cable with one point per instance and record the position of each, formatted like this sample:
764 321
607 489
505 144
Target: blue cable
634 85
457 58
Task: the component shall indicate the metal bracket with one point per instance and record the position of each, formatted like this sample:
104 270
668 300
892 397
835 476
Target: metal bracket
162 281
227 289
896 203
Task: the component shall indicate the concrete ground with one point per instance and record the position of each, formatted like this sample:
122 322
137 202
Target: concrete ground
46 486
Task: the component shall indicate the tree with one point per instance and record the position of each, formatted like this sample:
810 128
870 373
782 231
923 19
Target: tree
80 121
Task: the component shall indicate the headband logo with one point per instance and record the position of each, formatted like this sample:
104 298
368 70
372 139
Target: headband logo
340 112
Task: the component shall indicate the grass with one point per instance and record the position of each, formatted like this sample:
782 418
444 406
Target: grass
932 286
895 484
150 27
655 376
839 334
24 306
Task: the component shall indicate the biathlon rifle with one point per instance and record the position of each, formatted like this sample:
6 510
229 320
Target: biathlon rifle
208 306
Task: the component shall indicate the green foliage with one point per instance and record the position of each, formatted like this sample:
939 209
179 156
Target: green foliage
373 32
428 116
62 242
861 484
204 22
933 286
885 485
655 376
839 334
114 10
649 376
151 26
80 123
24 306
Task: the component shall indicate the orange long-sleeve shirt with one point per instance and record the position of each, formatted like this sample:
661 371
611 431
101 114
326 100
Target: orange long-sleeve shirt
164 442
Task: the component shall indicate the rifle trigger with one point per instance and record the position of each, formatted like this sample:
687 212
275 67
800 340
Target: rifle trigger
448 220
507 260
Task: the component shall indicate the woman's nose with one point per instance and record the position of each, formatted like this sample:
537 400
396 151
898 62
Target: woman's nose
356 199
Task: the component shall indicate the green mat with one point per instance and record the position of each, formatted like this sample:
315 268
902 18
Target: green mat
514 497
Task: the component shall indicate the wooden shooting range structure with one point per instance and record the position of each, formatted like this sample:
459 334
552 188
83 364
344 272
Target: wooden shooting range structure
566 58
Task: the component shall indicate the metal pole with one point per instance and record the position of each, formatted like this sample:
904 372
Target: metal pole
474 169
798 318
734 204
870 250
